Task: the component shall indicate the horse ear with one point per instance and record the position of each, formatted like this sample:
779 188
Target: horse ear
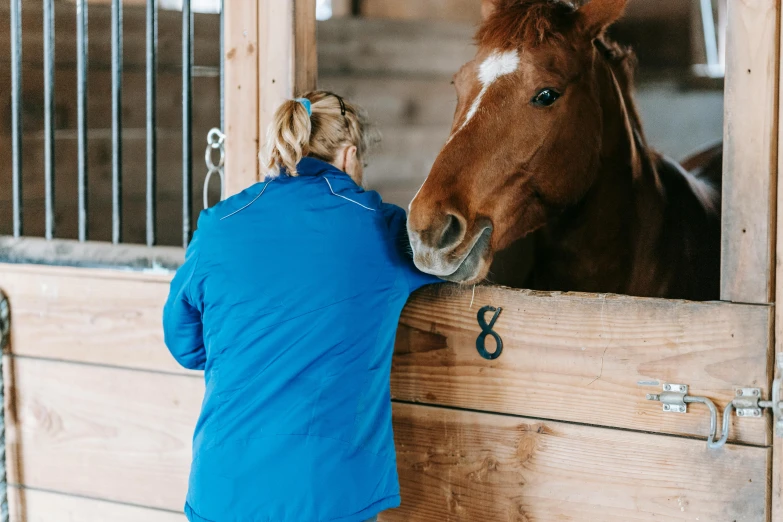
488 8
597 15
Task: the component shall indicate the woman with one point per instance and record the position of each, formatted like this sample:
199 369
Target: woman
289 300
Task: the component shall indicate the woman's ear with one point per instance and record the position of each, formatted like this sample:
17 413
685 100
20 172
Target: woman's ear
352 165
597 15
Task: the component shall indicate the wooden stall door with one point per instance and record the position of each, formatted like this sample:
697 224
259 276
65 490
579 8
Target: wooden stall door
558 427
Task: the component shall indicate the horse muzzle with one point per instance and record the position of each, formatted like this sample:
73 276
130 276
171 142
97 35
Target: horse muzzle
450 252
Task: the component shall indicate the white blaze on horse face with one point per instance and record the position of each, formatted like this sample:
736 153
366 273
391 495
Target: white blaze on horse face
494 67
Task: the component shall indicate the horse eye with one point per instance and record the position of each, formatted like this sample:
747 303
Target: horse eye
545 98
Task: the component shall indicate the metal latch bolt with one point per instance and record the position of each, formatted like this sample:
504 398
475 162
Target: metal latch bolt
747 403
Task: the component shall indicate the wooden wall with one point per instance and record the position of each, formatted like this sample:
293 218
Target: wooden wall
100 417
470 10
399 69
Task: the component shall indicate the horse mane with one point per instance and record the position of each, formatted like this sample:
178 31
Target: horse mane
525 23
622 61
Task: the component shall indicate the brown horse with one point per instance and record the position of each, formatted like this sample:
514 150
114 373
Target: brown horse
546 139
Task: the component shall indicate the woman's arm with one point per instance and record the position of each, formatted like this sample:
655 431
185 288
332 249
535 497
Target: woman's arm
182 327
397 221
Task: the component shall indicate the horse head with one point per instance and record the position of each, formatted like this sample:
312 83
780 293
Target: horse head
528 134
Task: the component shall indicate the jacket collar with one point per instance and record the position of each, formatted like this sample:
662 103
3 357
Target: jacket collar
315 167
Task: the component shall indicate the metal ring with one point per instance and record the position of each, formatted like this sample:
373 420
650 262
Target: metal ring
208 158
215 137
206 185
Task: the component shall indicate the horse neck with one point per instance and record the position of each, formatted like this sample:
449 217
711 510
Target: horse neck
600 243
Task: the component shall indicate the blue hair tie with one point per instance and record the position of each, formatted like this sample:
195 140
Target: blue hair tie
307 105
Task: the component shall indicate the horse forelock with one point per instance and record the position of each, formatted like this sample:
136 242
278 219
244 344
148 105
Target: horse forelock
515 24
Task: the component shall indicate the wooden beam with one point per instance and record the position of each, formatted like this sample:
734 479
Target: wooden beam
68 314
284 66
477 467
305 47
241 95
398 49
29 505
104 433
608 346
750 158
777 356
583 358
451 10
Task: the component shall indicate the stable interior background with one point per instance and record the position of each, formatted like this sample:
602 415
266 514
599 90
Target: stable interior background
395 59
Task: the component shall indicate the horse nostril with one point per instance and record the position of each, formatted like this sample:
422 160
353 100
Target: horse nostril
453 232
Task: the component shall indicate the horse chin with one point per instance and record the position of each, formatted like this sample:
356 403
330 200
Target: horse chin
475 266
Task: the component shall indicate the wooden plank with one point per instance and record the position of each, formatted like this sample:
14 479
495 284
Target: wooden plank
378 47
131 443
287 54
305 47
275 59
241 95
583 358
41 506
90 316
462 466
750 151
112 434
776 498
397 102
452 10
470 10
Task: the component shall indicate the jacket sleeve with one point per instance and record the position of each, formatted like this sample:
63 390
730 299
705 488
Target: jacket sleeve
182 327
397 223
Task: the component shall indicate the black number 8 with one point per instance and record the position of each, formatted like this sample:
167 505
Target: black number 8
486 329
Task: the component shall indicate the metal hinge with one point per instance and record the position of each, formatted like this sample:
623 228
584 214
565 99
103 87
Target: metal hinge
747 403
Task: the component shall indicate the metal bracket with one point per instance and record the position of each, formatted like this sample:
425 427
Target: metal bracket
747 402
673 398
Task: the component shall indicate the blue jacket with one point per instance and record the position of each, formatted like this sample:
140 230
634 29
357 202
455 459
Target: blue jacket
289 300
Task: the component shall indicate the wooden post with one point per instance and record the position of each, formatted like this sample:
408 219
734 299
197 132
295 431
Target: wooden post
750 154
777 356
241 95
282 64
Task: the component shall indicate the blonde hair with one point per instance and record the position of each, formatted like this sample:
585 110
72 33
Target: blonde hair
293 134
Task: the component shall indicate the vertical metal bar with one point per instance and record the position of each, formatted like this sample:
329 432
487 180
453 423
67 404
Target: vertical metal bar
116 120
81 103
187 130
16 114
710 39
152 64
49 123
